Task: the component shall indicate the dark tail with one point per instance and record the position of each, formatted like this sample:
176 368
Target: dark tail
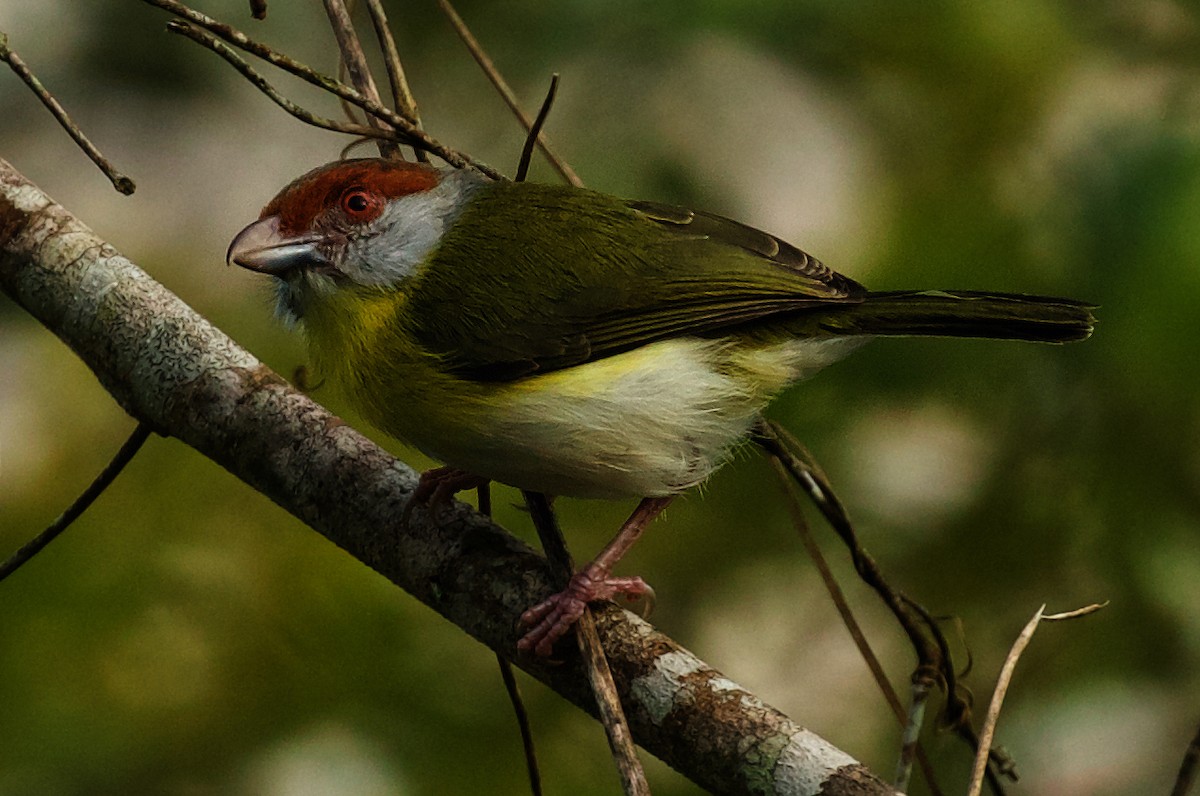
963 313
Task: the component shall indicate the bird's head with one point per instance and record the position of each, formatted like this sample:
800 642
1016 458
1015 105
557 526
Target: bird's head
368 223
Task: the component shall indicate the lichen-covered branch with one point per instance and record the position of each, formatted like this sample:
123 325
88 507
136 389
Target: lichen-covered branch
170 368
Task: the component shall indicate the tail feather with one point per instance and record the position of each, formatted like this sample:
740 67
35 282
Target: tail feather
961 313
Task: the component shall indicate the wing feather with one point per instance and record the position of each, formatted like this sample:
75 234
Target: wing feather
574 276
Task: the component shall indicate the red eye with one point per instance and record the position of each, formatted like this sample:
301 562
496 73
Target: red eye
360 204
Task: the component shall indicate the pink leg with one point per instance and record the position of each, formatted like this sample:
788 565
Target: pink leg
437 486
553 617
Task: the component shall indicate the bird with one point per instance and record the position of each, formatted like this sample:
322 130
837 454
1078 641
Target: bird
565 341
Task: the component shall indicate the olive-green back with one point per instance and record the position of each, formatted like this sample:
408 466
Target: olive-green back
562 276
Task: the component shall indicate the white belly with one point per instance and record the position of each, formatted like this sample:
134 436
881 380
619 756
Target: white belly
649 422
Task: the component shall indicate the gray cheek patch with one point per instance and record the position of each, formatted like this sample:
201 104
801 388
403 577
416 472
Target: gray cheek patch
410 228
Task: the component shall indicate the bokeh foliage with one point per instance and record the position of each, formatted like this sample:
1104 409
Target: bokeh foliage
187 637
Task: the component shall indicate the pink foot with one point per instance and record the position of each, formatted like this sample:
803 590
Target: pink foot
554 616
437 486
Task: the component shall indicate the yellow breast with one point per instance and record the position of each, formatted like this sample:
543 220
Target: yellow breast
651 421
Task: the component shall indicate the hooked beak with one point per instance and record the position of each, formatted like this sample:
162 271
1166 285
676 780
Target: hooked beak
260 247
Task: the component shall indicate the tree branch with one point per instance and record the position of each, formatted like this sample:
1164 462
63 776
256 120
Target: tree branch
170 368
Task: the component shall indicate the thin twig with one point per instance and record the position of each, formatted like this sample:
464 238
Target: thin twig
909 740
927 640
501 86
1076 614
518 705
484 502
206 39
355 62
922 630
988 730
411 134
351 49
1188 768
848 618
240 40
608 701
119 180
402 97
957 713
536 129
839 597
348 108
777 442
94 490
612 715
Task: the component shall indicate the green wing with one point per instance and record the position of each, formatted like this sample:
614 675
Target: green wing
575 276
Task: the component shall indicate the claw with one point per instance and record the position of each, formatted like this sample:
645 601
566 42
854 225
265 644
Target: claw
436 487
641 603
553 617
550 619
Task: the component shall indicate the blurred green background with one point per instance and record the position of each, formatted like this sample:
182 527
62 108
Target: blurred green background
187 637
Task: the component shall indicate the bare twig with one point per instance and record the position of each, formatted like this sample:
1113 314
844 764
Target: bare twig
1188 768
1076 614
612 715
848 619
909 741
957 714
988 730
776 441
921 629
402 97
206 39
484 501
243 42
553 543
411 134
119 180
351 49
928 642
839 597
993 712
34 546
536 129
608 701
258 9
348 107
498 81
355 62
518 705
